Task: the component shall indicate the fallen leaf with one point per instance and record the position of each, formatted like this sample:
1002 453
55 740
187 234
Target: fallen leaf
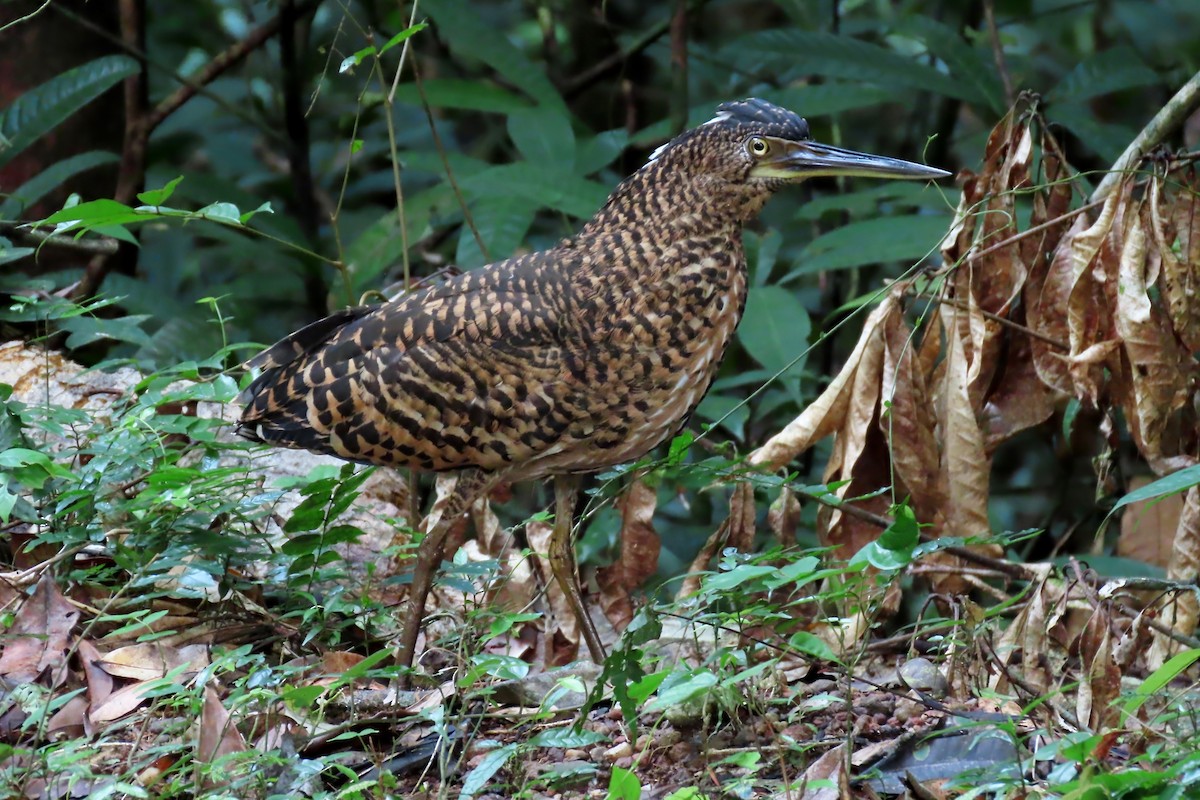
38 641
638 560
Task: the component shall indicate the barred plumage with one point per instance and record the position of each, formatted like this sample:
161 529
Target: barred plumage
564 361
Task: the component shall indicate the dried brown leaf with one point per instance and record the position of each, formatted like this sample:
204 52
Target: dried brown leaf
1175 206
1160 372
1180 611
965 466
783 517
148 661
908 422
39 638
1096 702
1019 399
218 735
1090 254
742 517
638 561
99 682
120 703
1148 526
827 413
562 634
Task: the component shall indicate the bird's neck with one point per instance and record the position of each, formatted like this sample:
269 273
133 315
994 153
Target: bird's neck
664 198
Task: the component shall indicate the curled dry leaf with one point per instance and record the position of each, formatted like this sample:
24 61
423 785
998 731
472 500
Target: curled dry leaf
638 560
783 517
1095 704
38 641
1180 610
1175 211
965 467
1086 297
826 414
1159 374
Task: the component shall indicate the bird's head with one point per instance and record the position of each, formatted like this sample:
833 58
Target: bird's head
754 147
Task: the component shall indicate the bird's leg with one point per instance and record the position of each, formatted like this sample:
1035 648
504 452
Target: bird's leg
562 559
452 500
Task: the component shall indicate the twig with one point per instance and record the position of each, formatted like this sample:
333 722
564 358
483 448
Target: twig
140 124
103 245
1165 122
679 66
989 15
959 304
1050 223
25 18
441 148
576 84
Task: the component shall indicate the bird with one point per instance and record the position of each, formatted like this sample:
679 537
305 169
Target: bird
557 363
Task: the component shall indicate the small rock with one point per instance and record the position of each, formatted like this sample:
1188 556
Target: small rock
574 755
618 751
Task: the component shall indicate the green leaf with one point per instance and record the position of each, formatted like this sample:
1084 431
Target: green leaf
742 573
970 64
544 137
471 37
566 738
51 178
1160 678
569 194
906 239
476 780
805 642
623 785
226 213
834 97
691 687
42 109
597 152
96 212
841 56
775 329
85 330
502 223
1174 483
1105 72
156 197
403 35
464 94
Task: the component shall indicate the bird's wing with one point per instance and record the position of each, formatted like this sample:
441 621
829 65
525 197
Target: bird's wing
474 372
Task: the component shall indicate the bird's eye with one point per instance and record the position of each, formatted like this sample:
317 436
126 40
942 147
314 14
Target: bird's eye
758 147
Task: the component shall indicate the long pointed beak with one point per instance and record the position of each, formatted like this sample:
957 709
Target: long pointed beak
797 160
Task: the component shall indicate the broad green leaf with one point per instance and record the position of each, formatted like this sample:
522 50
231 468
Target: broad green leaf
566 738
821 99
1107 71
743 573
970 64
842 56
42 109
775 329
1108 140
1160 678
574 196
51 178
471 37
691 687
624 785
97 212
597 152
502 223
544 137
813 645
906 239
85 330
459 93
477 779
1174 483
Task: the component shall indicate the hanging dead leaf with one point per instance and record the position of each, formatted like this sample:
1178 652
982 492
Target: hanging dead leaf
1095 703
1180 610
783 517
1175 211
38 641
827 413
1019 399
908 422
1090 255
965 467
638 561
561 635
1148 526
1160 373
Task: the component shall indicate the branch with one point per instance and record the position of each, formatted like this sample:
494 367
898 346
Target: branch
1165 122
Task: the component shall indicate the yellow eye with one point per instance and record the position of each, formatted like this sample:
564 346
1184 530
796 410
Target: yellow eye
758 147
